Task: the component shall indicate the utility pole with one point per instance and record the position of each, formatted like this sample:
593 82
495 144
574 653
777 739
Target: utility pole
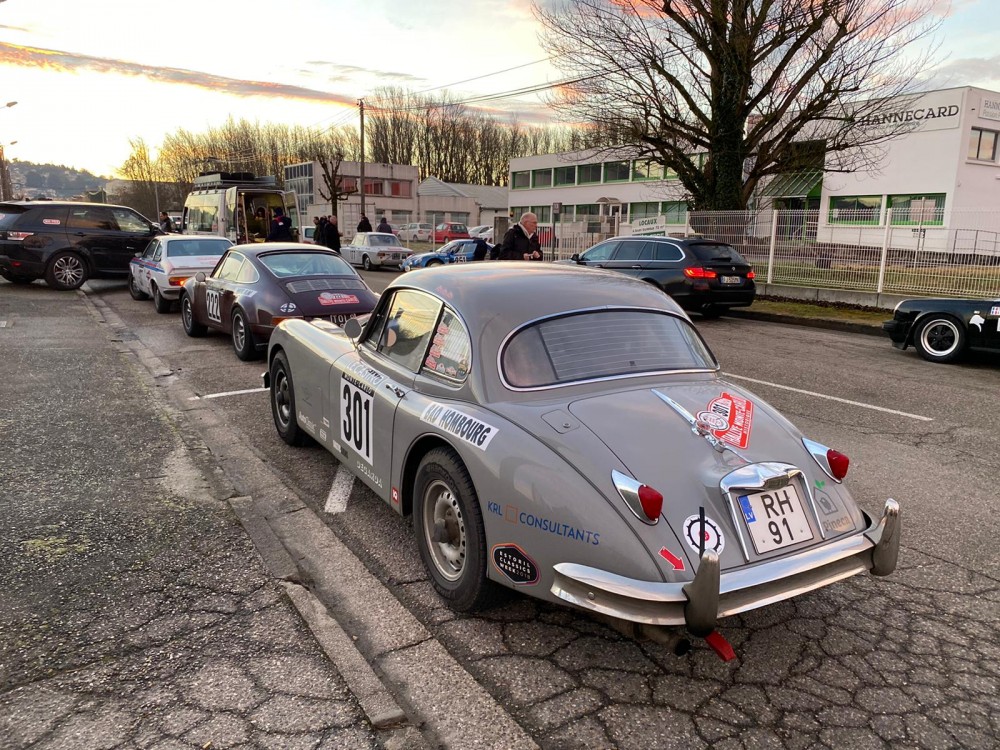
6 191
361 185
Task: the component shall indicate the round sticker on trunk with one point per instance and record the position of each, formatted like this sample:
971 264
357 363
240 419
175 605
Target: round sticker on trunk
714 540
712 420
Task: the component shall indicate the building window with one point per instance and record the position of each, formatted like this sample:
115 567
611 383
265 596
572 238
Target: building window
347 184
520 180
917 209
565 176
542 213
675 212
434 217
459 217
374 187
646 169
983 145
541 178
400 188
616 171
855 209
643 210
517 211
587 209
587 173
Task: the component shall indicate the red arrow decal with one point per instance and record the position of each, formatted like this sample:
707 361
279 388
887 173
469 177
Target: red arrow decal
671 558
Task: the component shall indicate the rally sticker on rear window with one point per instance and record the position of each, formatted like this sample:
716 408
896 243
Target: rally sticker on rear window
738 415
336 298
461 425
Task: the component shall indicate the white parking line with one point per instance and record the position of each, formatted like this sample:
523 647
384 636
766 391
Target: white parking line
227 393
830 398
343 483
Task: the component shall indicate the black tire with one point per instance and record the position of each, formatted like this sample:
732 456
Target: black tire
283 403
66 271
191 326
445 503
366 262
134 290
710 311
14 278
161 303
434 263
941 338
244 342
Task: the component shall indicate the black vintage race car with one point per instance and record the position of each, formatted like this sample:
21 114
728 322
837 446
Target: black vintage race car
255 287
943 329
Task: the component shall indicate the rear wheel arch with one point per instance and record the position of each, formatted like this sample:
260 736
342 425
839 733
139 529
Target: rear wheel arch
417 451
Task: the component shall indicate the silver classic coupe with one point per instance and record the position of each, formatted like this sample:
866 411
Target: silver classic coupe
566 432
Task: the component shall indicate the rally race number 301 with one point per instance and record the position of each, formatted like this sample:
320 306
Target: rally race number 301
356 419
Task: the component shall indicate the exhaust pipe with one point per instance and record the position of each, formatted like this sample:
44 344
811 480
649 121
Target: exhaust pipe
674 638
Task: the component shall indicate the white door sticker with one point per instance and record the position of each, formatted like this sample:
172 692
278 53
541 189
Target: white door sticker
356 418
213 308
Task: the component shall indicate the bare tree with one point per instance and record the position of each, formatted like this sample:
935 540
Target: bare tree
333 187
721 91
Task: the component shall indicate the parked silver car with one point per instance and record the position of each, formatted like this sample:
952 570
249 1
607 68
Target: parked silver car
416 232
375 250
567 432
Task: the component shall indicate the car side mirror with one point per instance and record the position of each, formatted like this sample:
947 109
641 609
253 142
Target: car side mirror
138 255
352 328
200 276
575 257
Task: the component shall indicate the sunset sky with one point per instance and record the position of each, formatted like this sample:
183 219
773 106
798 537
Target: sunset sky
90 74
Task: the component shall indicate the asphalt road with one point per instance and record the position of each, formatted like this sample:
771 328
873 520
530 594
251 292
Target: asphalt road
908 661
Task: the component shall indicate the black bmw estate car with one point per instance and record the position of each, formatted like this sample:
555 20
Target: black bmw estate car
702 275
66 243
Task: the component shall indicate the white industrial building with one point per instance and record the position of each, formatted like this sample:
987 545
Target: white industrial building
939 179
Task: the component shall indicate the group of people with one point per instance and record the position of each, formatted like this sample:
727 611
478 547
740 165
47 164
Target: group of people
366 226
327 232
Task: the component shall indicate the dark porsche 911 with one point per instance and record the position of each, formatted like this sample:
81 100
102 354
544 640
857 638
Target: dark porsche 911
943 329
255 287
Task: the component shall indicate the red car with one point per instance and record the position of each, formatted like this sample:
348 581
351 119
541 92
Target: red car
449 231
255 287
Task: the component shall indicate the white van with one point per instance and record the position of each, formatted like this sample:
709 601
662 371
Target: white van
237 206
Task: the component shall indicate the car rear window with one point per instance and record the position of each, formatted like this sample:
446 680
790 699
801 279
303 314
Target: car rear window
383 240
305 264
192 248
709 252
600 344
9 215
459 228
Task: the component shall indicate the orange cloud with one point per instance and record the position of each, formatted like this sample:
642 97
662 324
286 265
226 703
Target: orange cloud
70 62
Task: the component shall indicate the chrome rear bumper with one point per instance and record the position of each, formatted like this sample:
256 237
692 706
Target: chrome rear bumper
699 603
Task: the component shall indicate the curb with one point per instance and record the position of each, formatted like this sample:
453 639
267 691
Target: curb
380 649
829 324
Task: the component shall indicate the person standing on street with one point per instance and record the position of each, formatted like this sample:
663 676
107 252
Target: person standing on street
383 226
319 222
521 240
364 225
165 223
331 235
281 227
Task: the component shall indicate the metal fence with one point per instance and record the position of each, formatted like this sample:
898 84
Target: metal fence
901 251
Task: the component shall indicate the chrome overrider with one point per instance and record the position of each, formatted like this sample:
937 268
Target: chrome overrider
699 603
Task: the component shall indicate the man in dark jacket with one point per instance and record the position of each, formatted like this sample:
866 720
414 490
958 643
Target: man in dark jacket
281 227
364 225
521 240
383 226
320 232
332 234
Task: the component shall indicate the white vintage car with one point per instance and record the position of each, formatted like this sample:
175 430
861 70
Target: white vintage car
167 262
375 250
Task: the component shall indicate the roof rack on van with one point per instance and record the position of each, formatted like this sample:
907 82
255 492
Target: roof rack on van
228 179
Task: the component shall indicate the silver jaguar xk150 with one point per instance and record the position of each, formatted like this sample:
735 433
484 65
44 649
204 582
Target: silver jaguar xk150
566 432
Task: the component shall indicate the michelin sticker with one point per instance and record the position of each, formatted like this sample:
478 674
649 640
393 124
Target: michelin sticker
714 540
461 425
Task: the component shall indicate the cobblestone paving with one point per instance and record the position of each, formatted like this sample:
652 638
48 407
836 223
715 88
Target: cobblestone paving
907 662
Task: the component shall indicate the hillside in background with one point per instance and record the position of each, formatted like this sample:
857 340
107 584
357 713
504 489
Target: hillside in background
32 180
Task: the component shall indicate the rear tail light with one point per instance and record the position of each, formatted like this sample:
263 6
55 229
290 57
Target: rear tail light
834 463
645 502
697 272
276 320
751 275
18 235
839 463
178 280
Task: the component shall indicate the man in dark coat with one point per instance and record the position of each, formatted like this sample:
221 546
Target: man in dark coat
383 226
521 240
332 234
281 227
364 225
319 235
